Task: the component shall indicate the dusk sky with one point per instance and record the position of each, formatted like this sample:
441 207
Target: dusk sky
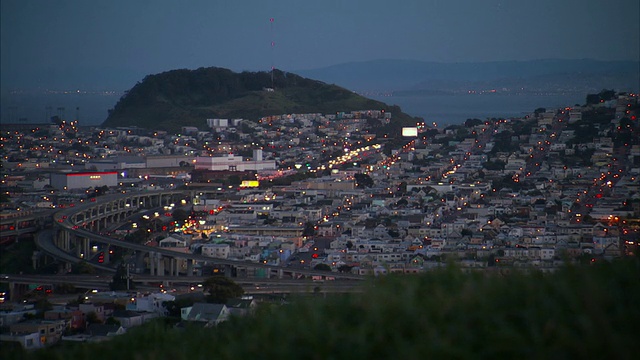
59 42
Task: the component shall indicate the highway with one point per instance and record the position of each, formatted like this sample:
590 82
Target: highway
183 284
63 219
44 241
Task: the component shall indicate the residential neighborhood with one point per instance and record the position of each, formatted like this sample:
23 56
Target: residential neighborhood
337 192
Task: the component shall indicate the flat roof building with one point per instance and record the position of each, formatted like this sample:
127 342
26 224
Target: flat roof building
84 180
234 163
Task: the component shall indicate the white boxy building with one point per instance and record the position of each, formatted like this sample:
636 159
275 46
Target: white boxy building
83 180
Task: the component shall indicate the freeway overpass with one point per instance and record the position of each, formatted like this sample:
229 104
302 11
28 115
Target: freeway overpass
19 284
79 225
13 225
44 241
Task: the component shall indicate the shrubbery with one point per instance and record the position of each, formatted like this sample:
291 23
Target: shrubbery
577 312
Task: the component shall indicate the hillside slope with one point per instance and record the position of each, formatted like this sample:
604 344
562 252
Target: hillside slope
170 100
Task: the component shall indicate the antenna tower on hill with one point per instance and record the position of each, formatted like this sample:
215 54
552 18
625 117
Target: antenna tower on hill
273 45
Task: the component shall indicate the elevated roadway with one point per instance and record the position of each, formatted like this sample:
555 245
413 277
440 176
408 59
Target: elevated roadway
44 241
82 222
148 283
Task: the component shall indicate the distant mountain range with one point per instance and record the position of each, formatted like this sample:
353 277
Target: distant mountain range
172 99
405 79
582 76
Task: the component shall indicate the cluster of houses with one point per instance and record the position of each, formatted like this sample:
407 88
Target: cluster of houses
103 315
439 200
534 192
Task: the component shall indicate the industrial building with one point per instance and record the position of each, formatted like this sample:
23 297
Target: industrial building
83 180
235 163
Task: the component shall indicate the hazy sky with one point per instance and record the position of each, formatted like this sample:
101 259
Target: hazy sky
60 42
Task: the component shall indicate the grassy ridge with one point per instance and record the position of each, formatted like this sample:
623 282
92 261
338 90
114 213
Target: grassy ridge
586 312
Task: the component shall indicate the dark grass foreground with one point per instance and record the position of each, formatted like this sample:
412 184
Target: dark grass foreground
588 312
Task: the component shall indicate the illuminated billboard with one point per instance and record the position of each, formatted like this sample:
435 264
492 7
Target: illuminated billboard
250 183
410 131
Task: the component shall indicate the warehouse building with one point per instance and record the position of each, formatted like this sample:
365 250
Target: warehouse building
232 162
83 180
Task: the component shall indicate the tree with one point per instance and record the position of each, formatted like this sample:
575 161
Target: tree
173 307
101 190
179 215
269 220
431 133
473 122
402 202
65 288
92 318
309 229
221 289
43 305
82 268
322 267
363 180
234 180
402 188
79 300
344 268
245 128
112 321
539 111
121 280
494 165
139 236
393 233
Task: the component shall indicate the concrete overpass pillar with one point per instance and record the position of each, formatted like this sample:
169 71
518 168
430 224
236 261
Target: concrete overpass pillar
16 291
60 238
228 271
159 265
78 244
57 239
67 241
152 264
189 267
34 259
280 273
107 258
87 248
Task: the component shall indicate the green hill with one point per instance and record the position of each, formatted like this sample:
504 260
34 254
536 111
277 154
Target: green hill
176 98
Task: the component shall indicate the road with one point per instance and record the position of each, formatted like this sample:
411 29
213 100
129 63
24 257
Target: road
63 219
44 241
183 284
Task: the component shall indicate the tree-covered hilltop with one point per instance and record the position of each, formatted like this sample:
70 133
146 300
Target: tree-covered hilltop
170 100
